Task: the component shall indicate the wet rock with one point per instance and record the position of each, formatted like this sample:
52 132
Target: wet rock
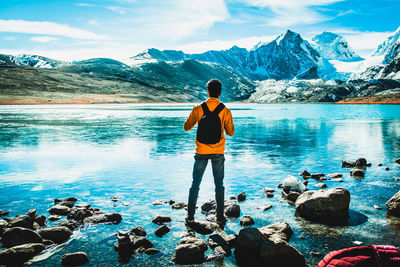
357 172
269 194
67 201
59 210
246 220
3 225
32 214
83 206
70 224
305 174
157 203
292 196
232 197
139 231
190 251
4 212
267 246
58 235
161 231
317 176
397 161
267 207
241 196
179 205
232 209
151 251
305 183
160 219
268 190
74 259
338 180
324 205
203 228
170 202
53 218
47 242
79 214
141 241
114 218
18 236
348 164
335 175
369 164
18 255
41 220
379 164
209 205
115 199
315 254
280 186
219 245
393 205
361 162
321 185
387 168
377 207
21 221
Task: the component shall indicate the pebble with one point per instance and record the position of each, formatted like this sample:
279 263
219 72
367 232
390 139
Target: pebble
157 203
387 168
379 164
267 207
357 243
315 254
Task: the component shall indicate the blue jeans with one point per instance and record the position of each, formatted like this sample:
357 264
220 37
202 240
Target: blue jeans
200 164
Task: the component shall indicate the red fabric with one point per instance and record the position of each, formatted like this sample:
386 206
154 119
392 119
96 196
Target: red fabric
363 256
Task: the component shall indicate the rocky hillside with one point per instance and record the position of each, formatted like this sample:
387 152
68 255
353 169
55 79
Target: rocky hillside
333 46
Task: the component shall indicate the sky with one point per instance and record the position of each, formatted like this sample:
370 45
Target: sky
81 29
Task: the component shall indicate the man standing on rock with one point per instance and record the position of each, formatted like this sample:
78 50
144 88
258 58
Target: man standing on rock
213 118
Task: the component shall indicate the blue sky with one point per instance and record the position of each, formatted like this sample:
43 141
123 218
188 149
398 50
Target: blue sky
121 28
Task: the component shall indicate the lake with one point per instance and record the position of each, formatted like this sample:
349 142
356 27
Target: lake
142 154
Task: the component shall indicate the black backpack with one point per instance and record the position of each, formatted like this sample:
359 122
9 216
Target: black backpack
210 127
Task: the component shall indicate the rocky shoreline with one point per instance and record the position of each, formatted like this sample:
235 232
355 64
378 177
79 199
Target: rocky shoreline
26 235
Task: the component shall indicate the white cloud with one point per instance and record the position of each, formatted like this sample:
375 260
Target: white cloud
48 28
117 9
93 22
85 4
10 38
43 39
365 42
292 12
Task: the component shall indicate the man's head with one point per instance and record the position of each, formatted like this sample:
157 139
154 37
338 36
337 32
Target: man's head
214 87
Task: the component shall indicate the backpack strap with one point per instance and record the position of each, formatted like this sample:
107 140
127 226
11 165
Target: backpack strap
219 108
205 108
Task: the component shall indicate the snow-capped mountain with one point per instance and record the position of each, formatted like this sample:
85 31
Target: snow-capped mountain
389 48
333 46
31 61
286 57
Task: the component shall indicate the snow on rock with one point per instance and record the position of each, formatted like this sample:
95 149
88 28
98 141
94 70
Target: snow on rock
333 46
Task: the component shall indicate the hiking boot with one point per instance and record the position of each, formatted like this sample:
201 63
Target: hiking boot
221 221
189 219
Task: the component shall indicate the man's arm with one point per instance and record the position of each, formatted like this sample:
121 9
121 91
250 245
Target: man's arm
191 121
229 127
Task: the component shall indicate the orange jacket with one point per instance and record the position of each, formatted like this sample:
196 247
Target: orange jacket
226 122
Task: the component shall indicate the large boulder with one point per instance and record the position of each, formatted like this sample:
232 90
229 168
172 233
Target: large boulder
203 228
74 259
161 219
190 251
326 205
78 214
114 218
17 236
393 205
219 244
21 221
267 246
59 210
58 234
232 209
18 255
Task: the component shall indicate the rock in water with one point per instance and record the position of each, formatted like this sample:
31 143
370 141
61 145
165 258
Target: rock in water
232 209
18 255
74 259
246 221
160 219
325 205
58 234
241 196
209 205
161 231
139 231
219 245
21 221
114 218
305 174
267 246
59 210
18 236
335 175
357 172
151 251
190 251
393 205
41 220
321 185
397 161
179 205
348 164
361 162
203 228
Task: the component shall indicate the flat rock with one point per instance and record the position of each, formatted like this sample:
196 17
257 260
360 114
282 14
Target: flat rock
393 205
65 199
83 205
219 245
321 185
160 219
53 218
18 255
268 190
201 227
338 180
151 251
18 236
114 218
317 176
179 205
348 164
4 212
161 231
41 220
70 224
324 205
59 210
209 205
246 220
157 203
305 174
190 251
79 214
58 235
21 221
335 175
74 259
139 231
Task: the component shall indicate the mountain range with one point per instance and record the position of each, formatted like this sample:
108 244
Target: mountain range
177 76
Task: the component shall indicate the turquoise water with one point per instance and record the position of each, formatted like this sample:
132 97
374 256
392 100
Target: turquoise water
142 153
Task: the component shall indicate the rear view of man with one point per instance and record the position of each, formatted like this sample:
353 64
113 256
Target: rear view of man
213 118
